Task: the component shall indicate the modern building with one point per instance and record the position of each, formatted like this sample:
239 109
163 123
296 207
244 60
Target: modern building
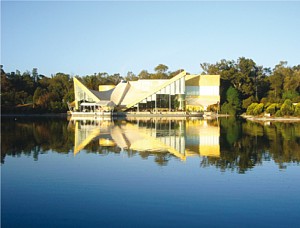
181 93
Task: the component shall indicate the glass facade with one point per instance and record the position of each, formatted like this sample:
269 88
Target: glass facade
169 98
192 90
81 95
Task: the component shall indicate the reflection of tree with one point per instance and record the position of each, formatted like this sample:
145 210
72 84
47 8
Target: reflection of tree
232 129
34 137
247 144
162 158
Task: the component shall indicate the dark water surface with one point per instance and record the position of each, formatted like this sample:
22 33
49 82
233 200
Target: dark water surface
149 172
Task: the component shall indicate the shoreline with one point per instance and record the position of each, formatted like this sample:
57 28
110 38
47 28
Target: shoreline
273 119
35 115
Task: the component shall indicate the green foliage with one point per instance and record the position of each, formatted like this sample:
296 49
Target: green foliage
248 101
258 109
233 130
255 109
292 95
271 109
278 113
131 76
234 102
228 108
161 72
161 68
287 108
233 96
297 110
144 75
251 108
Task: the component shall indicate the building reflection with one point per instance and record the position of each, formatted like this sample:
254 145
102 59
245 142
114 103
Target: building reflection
202 138
179 137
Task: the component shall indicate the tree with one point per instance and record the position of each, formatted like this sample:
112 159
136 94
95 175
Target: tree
246 76
233 104
37 94
290 94
144 75
131 76
35 74
174 73
21 97
115 78
228 108
277 79
233 97
7 90
161 72
209 68
248 101
161 68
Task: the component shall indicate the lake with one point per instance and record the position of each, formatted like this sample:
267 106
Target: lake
149 172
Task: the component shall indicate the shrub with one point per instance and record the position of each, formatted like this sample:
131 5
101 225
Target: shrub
213 108
297 110
272 109
287 108
251 108
278 113
267 104
258 109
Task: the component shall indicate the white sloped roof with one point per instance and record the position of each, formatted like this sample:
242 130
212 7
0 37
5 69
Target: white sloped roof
119 92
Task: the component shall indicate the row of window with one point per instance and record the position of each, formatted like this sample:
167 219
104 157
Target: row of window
202 90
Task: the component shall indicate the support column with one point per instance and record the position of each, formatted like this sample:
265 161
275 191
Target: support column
169 103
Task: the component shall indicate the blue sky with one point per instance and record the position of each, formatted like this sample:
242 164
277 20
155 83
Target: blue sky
81 38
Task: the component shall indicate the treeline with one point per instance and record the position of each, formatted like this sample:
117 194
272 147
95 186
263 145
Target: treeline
33 92
243 83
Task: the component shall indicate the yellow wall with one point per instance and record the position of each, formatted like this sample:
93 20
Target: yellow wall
202 80
209 91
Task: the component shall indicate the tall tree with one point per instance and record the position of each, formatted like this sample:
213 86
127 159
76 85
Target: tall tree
35 74
277 80
161 72
131 76
144 74
161 68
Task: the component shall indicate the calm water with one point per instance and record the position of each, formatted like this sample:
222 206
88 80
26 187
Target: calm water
149 172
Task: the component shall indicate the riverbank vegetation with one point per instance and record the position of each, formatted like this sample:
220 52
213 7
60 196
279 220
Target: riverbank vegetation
245 87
